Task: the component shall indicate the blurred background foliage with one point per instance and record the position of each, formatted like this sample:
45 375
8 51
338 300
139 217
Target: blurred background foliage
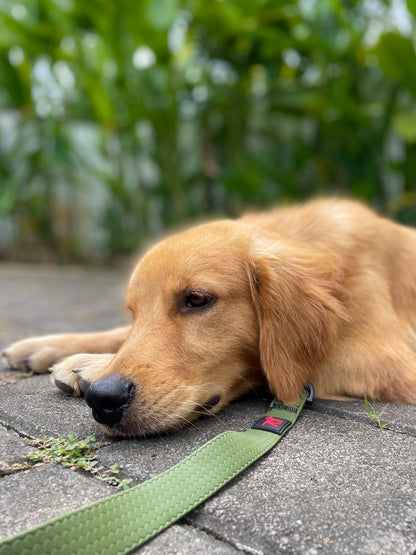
121 119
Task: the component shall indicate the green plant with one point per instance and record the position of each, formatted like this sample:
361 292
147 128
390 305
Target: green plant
374 415
202 107
12 377
72 453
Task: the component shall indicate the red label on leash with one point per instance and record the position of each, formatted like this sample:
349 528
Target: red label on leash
272 421
272 424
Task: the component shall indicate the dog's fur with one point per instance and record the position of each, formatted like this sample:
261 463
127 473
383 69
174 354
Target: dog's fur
324 292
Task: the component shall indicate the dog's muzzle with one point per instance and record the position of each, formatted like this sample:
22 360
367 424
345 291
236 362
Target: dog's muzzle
109 398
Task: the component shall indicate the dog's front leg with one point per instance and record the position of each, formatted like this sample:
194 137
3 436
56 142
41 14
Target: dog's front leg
39 354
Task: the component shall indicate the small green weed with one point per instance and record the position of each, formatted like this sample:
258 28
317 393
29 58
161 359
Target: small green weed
73 453
374 415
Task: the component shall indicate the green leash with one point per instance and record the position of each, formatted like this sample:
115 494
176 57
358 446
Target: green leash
120 523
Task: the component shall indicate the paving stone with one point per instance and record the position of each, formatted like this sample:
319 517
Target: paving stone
183 540
398 417
12 446
36 408
43 492
46 299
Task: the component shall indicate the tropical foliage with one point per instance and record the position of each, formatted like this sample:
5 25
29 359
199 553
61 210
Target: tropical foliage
120 119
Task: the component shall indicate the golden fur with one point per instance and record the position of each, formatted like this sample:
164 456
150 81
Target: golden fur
324 291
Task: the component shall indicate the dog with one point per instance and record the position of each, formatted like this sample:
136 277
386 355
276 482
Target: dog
322 292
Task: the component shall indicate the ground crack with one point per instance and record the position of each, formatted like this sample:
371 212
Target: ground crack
219 537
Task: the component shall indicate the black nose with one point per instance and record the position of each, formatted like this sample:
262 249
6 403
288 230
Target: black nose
109 398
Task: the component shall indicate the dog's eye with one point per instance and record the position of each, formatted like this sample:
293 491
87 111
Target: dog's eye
198 299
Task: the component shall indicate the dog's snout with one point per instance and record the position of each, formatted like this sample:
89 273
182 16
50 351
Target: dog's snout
109 398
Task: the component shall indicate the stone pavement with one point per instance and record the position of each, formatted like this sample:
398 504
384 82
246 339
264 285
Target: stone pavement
335 484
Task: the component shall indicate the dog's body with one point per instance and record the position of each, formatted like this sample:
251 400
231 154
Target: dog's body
323 292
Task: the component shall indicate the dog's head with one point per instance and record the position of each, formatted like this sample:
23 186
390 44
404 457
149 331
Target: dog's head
217 310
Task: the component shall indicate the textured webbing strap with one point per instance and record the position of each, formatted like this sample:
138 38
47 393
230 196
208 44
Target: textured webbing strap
122 522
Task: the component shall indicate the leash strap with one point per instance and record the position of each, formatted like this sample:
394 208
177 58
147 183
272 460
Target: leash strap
124 521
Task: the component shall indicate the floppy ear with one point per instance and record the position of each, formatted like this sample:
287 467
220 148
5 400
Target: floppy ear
299 305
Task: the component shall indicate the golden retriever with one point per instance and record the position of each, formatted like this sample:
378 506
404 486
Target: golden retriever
322 292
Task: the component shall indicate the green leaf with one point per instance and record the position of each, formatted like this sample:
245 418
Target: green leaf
411 6
405 125
8 197
162 13
397 58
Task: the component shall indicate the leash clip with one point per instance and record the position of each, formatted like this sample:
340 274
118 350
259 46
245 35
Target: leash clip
311 390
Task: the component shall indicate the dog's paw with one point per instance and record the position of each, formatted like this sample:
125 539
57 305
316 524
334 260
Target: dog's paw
74 374
37 354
